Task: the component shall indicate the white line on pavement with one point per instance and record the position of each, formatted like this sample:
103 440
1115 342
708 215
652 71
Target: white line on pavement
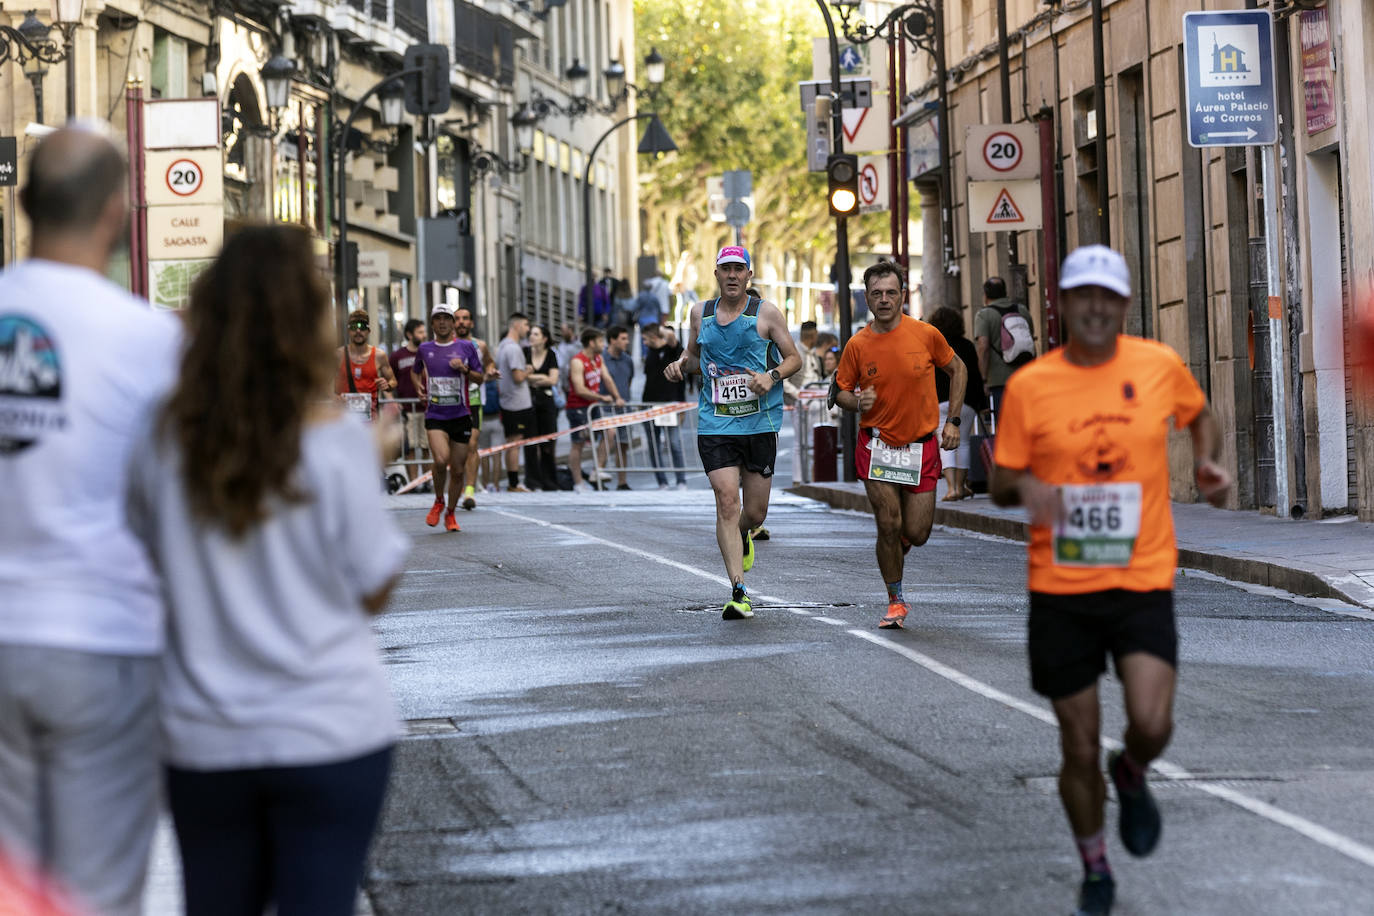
1313 831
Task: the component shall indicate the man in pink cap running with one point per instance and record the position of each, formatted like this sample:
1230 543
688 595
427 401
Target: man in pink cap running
742 348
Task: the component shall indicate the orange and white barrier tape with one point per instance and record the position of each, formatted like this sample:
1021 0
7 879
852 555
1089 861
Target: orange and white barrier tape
611 421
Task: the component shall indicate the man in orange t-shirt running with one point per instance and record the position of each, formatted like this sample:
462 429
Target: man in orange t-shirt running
887 376
1083 444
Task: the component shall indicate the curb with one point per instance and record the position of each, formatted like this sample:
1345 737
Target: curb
1293 579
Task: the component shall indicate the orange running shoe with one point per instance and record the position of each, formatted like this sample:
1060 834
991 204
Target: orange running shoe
896 616
450 523
432 518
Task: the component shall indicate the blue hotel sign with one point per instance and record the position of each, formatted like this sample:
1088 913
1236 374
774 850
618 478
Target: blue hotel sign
1229 75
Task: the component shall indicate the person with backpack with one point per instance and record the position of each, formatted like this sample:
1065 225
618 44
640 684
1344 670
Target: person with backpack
1004 338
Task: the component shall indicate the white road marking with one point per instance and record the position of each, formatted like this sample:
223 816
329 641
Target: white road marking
832 621
1301 825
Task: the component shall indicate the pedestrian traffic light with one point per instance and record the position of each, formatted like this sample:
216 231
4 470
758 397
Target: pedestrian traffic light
843 171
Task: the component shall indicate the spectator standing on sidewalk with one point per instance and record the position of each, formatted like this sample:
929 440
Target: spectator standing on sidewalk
402 361
517 405
1084 446
645 313
540 470
620 372
81 619
259 504
954 462
586 369
658 390
998 315
811 363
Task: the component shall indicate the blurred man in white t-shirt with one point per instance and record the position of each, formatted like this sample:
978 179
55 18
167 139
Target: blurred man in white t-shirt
82 366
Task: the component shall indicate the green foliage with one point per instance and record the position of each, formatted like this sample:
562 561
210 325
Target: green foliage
730 101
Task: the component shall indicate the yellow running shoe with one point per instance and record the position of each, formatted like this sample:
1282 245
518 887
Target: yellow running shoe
739 607
748 551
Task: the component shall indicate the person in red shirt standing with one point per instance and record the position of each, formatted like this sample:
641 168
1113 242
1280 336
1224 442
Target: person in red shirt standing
588 373
1083 444
887 376
364 372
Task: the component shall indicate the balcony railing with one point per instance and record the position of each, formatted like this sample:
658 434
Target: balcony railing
483 43
412 17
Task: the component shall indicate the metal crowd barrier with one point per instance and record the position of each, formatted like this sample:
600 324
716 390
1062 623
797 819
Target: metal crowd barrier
646 446
810 413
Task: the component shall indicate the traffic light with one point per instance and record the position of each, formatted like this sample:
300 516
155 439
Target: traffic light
426 92
843 171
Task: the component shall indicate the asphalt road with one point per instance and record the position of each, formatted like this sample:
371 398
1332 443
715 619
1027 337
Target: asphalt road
588 736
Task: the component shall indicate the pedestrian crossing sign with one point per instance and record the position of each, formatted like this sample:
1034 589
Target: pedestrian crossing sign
1004 210
1004 206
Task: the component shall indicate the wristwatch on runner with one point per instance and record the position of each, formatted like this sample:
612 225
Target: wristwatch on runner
956 420
775 375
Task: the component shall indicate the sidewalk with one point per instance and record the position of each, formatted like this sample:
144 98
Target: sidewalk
1332 558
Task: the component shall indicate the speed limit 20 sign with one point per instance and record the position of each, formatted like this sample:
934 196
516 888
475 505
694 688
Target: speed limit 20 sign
1002 152
184 176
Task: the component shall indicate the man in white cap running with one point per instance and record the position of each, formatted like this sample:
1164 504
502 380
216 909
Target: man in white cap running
741 346
441 372
1084 445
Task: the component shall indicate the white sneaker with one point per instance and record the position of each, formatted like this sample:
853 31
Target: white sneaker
664 486
604 476
581 487
682 486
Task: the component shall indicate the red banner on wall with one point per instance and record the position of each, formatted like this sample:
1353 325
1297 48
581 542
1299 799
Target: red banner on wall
1319 97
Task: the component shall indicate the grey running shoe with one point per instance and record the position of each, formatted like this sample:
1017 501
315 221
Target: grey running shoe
1140 825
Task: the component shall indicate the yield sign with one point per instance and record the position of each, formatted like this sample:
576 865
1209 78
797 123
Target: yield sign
1004 210
853 120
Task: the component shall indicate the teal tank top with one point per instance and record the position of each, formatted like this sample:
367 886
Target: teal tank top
726 405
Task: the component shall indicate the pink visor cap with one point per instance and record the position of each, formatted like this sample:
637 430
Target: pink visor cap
733 254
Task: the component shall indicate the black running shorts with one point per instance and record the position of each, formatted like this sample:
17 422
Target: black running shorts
756 452
1070 636
518 424
458 429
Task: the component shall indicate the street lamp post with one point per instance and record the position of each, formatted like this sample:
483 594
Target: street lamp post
393 79
922 22
844 312
656 140
28 43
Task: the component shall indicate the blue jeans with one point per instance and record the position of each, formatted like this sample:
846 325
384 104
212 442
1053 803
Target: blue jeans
674 436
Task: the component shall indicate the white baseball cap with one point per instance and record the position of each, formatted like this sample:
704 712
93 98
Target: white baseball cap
1096 265
443 308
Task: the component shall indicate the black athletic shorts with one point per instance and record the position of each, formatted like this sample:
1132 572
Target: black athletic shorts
755 452
1070 636
458 429
518 424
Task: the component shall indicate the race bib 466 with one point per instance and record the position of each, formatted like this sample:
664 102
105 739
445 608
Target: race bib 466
1098 524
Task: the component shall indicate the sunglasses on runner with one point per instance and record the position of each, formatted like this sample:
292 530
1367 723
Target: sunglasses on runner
357 325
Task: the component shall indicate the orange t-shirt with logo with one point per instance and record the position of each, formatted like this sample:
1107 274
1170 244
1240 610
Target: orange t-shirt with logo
901 365
1101 434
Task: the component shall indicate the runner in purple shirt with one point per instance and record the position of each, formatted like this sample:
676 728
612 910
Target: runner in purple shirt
441 372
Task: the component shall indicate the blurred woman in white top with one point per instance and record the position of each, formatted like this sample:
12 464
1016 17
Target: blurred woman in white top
260 505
